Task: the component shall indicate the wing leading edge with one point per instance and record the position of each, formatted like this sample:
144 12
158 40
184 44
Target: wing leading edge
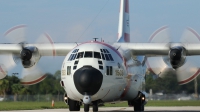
56 49
155 49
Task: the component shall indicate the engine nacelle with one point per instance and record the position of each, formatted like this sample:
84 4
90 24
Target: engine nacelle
177 56
29 56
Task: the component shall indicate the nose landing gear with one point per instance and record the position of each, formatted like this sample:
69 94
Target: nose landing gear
87 102
74 105
94 106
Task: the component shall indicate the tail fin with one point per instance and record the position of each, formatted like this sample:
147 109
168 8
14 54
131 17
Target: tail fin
123 28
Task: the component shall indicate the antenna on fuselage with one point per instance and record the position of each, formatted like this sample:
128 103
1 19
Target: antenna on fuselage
95 39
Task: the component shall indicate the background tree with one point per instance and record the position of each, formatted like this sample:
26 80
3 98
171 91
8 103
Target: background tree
16 89
4 86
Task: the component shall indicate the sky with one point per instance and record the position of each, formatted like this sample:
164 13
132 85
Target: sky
82 20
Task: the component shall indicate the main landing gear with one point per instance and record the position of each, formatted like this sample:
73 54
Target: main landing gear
138 103
73 105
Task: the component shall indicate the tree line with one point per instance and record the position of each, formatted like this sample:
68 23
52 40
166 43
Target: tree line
169 84
10 85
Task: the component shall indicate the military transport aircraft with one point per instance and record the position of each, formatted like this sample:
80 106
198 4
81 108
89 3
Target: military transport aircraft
94 72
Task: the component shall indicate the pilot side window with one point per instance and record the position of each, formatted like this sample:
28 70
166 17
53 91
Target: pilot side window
69 57
102 55
88 54
97 55
110 57
80 55
106 55
68 70
73 55
107 58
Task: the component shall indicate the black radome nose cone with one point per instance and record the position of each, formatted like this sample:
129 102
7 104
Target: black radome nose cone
88 80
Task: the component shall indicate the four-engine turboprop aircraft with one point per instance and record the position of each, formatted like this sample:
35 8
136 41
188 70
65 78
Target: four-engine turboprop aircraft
95 72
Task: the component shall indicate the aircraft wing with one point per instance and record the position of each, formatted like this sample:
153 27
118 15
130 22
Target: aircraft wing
155 49
56 49
168 58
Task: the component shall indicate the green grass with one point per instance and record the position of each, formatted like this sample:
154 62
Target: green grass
159 103
174 103
47 105
30 105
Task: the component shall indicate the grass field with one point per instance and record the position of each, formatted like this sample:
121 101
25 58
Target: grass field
47 105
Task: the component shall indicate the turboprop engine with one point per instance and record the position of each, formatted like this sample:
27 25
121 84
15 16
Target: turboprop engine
177 56
29 56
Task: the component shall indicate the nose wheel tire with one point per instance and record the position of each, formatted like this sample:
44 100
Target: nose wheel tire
86 107
73 105
95 106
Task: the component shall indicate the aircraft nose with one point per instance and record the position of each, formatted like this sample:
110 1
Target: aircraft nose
88 80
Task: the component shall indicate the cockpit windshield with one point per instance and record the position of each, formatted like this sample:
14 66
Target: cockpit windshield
97 55
104 55
88 54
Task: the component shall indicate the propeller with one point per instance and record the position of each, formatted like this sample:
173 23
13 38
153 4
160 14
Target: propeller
159 65
176 63
29 56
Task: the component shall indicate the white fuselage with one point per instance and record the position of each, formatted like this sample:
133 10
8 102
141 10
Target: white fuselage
117 84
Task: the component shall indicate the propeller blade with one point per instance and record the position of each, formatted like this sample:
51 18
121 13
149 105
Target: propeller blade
160 35
46 39
189 71
16 34
157 64
3 71
32 76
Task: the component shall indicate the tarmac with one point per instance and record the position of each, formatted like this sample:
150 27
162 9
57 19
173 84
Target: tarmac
123 109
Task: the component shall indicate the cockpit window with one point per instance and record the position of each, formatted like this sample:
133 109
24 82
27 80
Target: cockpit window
97 55
107 51
106 55
69 57
110 57
88 54
104 50
75 50
74 56
107 58
80 55
102 55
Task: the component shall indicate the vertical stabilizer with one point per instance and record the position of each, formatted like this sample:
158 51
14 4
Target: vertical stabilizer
123 28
